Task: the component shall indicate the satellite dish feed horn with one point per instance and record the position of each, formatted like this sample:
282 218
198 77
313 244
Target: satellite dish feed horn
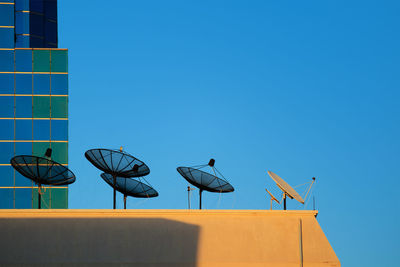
272 197
286 189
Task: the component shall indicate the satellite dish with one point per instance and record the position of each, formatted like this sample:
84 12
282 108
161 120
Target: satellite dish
272 197
286 188
130 187
118 164
42 171
204 180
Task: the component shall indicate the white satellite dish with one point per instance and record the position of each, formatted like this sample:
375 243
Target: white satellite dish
272 197
286 188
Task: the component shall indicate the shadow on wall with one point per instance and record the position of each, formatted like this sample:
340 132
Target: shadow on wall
97 241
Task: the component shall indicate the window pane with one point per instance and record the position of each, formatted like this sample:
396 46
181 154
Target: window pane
37 6
50 32
36 24
39 149
21 180
6 60
24 148
45 203
60 152
21 23
59 107
6 38
59 61
41 129
41 60
41 107
59 130
50 9
6 198
41 84
22 5
6 106
23 198
23 107
22 41
36 42
6 176
6 83
7 15
7 130
59 198
7 152
23 60
23 130
59 84
23 83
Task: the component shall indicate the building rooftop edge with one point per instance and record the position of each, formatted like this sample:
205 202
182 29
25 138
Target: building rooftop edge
148 212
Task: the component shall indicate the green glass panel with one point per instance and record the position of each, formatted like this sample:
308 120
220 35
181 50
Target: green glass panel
59 107
41 60
45 200
39 148
59 198
41 107
59 61
60 152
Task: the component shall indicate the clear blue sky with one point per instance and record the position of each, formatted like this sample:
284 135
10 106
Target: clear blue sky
302 88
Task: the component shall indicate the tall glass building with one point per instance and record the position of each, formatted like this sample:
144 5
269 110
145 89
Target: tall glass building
33 98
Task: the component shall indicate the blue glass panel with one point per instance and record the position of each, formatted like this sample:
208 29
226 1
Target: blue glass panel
7 130
7 60
21 23
50 30
23 129
6 106
23 60
21 180
6 38
22 41
6 83
6 198
23 107
23 198
36 24
6 176
7 152
37 6
36 42
22 4
59 84
59 130
23 83
7 15
50 9
41 84
41 130
23 148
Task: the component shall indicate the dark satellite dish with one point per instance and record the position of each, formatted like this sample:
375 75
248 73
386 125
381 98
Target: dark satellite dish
117 163
130 187
204 180
42 171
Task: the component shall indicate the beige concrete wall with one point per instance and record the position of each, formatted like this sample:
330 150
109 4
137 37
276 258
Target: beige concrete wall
163 237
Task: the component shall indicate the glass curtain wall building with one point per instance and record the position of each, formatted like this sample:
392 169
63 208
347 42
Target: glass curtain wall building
33 98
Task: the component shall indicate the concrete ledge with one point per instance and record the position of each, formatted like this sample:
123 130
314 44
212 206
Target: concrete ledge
163 237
